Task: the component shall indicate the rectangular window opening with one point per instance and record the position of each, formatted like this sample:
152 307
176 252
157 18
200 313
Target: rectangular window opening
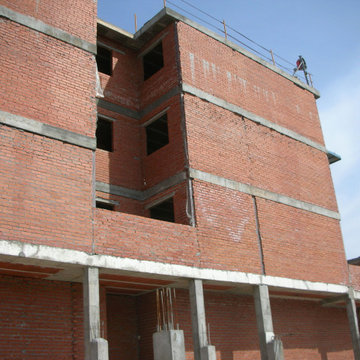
163 211
104 134
157 134
104 60
153 61
105 205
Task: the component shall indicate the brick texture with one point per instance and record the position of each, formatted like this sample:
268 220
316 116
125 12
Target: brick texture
40 319
355 276
239 80
225 144
45 193
301 245
46 80
80 21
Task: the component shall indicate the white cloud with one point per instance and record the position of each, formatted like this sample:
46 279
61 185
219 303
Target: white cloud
339 110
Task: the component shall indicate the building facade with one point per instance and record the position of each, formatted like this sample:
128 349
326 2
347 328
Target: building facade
161 181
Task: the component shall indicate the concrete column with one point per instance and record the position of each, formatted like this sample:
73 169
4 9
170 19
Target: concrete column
353 322
202 350
95 347
265 325
169 345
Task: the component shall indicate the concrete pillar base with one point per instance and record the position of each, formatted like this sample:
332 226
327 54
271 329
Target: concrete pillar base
169 345
208 353
99 349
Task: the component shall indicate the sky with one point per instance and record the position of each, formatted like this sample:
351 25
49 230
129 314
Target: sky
327 34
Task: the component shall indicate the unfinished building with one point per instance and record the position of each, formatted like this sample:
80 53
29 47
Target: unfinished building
167 182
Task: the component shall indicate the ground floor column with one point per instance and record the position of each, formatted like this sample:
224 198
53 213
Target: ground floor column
96 348
354 324
202 349
270 347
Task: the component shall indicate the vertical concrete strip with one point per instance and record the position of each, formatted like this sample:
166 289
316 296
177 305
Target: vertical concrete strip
198 316
353 323
265 324
95 347
202 350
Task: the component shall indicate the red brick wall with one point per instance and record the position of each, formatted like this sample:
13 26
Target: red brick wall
217 69
77 17
167 77
308 331
170 159
355 276
122 87
226 229
122 327
46 191
179 201
311 332
122 166
137 237
40 319
301 245
225 144
46 79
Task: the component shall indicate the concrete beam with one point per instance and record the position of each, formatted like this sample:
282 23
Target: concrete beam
49 131
262 193
51 254
353 323
264 324
334 300
46 29
141 195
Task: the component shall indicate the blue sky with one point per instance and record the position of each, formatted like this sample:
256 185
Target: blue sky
327 34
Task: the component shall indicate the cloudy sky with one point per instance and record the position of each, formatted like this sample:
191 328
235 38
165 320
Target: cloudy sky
327 34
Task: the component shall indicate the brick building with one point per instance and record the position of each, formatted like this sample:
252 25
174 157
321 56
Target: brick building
201 168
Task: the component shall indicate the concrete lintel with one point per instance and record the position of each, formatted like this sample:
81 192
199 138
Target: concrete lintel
251 116
265 194
81 258
53 132
334 300
46 29
100 43
118 109
120 191
141 195
171 93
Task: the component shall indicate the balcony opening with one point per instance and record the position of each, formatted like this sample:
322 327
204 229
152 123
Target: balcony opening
104 60
157 134
153 61
163 211
104 134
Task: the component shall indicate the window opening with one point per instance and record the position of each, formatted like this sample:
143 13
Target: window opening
157 134
163 211
105 205
104 134
104 60
153 61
